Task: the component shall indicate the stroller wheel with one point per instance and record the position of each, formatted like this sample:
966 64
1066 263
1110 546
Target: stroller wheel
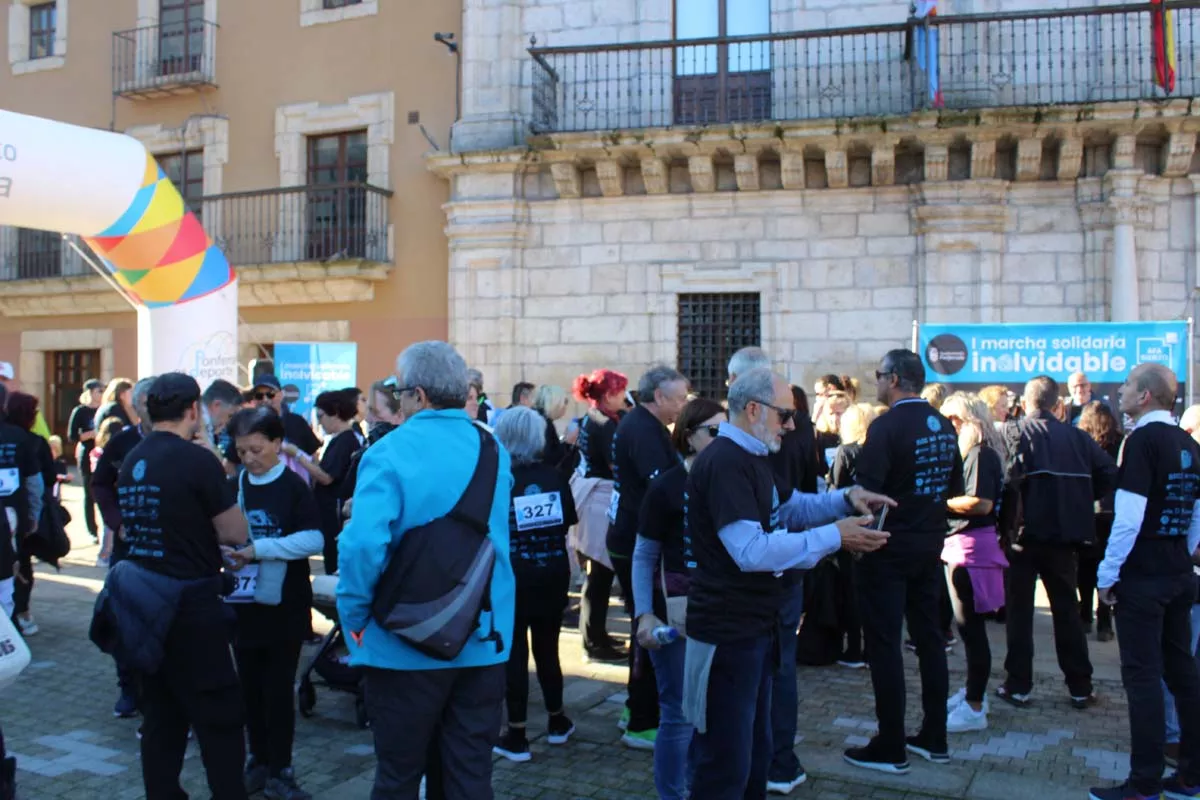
360 713
306 698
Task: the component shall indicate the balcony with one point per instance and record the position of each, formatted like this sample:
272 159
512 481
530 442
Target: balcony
317 243
1038 59
163 60
44 276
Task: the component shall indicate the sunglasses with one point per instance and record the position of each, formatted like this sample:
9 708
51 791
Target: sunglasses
264 395
786 415
881 375
711 430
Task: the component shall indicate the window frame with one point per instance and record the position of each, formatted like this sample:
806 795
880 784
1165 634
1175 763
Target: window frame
726 95
45 36
334 5
186 180
336 216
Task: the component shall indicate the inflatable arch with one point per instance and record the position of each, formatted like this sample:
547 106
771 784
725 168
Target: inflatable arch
108 189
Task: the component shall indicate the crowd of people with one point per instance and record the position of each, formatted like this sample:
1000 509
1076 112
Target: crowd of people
746 536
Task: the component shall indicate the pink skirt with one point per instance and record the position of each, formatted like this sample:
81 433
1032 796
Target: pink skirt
979 551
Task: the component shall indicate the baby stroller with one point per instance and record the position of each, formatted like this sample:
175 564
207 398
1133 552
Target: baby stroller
330 662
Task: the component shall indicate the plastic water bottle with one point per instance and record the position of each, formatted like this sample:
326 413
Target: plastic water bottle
664 634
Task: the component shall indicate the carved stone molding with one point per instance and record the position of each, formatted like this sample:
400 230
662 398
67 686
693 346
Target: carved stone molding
837 171
883 165
937 162
983 159
656 176
1029 159
1123 151
1070 158
567 180
745 168
791 170
611 176
1177 154
704 178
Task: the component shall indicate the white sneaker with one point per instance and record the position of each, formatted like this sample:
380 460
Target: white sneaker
964 718
27 625
959 698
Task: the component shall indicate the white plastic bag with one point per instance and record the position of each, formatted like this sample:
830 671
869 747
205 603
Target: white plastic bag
14 653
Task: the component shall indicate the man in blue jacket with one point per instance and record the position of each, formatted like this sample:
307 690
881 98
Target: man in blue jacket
429 716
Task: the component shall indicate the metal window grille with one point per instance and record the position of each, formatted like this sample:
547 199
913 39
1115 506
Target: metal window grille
712 327
42 28
331 4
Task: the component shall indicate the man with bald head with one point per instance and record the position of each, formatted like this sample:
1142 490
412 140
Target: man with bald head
741 538
1148 568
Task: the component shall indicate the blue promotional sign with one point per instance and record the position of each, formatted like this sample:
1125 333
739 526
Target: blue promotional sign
305 369
1013 353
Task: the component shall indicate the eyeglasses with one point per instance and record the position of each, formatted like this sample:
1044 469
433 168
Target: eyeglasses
398 392
264 395
711 430
881 375
786 415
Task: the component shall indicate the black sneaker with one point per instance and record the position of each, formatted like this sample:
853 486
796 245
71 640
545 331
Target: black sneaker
1176 789
284 787
514 746
605 655
1123 792
256 777
8 778
1013 698
935 753
126 706
870 757
559 729
1084 702
786 786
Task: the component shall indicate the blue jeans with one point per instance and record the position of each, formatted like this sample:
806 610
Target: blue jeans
1172 714
671 748
734 754
785 698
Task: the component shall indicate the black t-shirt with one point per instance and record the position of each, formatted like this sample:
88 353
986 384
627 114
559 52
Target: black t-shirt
1161 463
827 445
983 477
83 419
18 463
108 472
595 447
114 409
911 455
339 452
297 431
541 511
844 472
170 491
726 485
641 450
795 465
664 518
273 510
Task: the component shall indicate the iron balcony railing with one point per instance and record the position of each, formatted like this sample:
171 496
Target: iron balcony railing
27 254
335 222
995 60
164 58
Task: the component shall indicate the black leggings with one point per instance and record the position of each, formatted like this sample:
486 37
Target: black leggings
539 612
643 686
972 629
268 676
1090 557
593 604
850 619
23 583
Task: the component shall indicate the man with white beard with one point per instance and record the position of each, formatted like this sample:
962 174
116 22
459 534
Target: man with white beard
742 537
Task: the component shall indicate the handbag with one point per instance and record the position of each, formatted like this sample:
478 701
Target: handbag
676 606
14 653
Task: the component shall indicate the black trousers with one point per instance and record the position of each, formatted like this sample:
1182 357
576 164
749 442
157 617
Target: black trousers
89 503
972 629
1056 566
1090 557
1154 636
330 552
450 717
196 686
642 686
268 680
23 579
539 606
893 588
848 596
593 603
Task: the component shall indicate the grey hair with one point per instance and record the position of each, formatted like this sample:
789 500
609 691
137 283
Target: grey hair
748 358
436 367
522 431
140 390
757 385
475 378
654 379
548 398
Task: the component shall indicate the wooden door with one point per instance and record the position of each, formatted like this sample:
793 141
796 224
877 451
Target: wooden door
66 371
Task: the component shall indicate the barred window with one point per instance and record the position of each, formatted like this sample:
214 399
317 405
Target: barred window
712 327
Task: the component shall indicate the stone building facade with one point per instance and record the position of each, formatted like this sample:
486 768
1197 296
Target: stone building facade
596 222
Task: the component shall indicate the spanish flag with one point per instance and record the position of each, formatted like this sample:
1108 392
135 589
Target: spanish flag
1162 32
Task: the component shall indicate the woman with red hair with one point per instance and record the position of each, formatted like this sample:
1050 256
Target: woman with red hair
592 489
22 411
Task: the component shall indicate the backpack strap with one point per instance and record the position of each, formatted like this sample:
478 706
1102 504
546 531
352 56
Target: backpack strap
474 508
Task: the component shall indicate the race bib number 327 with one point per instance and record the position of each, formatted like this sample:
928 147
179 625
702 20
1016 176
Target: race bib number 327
538 511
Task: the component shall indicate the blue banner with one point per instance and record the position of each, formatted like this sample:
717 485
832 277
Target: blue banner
1011 353
305 369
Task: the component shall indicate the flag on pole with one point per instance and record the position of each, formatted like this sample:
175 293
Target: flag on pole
925 41
1162 34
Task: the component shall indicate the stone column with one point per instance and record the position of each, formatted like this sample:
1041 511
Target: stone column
493 55
1121 188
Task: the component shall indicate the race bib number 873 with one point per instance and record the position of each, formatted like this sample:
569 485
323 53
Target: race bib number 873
538 511
247 583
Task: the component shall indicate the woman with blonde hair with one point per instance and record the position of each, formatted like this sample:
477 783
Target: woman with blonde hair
974 563
117 401
995 397
828 428
551 403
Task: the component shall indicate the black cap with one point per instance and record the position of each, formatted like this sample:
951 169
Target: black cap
269 381
93 384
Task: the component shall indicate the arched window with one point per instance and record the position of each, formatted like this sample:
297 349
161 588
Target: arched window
722 81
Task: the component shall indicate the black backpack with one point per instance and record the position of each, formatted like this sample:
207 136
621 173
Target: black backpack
439 581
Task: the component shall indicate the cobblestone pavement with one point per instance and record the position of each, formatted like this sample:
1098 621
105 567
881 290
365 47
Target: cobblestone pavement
57 719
